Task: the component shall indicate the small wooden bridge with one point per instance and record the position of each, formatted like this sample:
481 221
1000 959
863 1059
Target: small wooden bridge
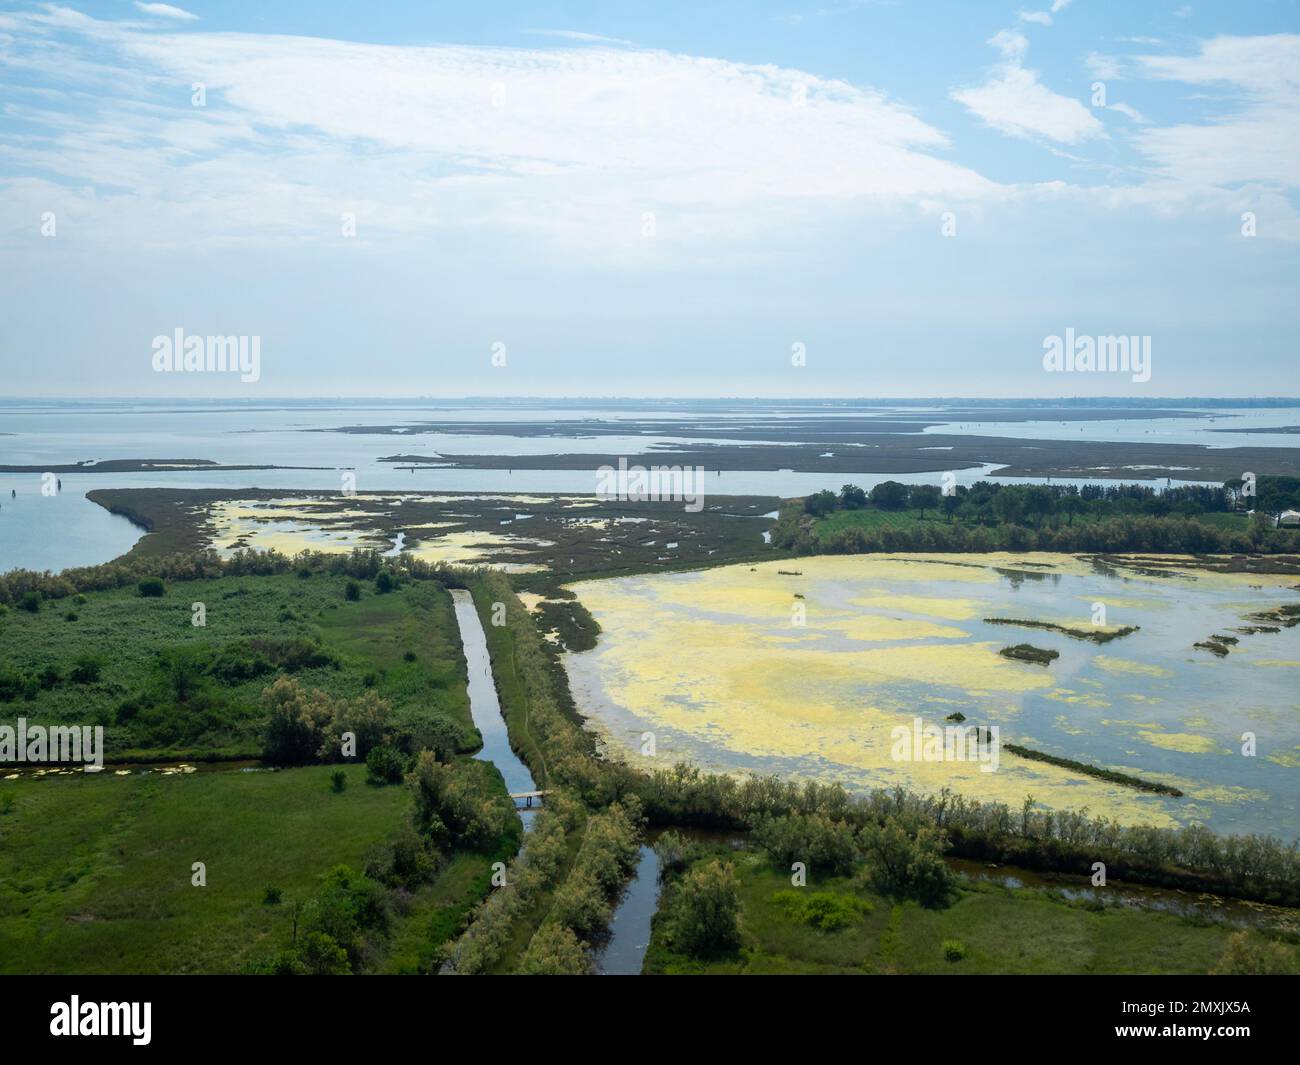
528 797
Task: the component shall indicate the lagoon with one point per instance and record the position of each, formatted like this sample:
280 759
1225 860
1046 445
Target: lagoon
806 674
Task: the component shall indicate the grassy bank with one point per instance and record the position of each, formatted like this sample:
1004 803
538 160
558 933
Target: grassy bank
987 929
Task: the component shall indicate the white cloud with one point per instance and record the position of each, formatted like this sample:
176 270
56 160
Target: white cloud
1013 101
166 11
1129 112
573 143
1042 18
1258 142
578 35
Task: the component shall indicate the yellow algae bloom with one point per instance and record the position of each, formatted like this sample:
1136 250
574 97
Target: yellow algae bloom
1185 742
1124 665
926 606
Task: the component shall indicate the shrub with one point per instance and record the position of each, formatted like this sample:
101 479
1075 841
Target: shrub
71 615
385 582
907 865
705 909
323 956
826 846
385 765
825 910
338 780
1252 955
272 895
953 950
555 951
151 587
31 602
11 685
85 670
352 591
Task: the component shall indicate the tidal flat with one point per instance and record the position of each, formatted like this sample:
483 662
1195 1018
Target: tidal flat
805 669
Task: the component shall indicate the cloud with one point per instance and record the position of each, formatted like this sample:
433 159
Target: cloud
1042 18
575 144
1129 112
578 35
166 11
1259 141
1013 101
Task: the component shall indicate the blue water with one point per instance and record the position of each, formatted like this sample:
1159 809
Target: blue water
43 532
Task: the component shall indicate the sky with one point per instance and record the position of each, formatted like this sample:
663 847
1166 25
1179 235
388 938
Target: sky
711 198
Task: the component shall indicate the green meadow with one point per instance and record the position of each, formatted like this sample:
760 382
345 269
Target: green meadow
834 926
164 688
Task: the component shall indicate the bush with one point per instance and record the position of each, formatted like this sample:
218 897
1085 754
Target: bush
272 895
555 951
85 670
385 582
31 602
385 765
352 591
907 865
151 587
705 910
338 780
11 685
825 846
953 950
824 910
1252 955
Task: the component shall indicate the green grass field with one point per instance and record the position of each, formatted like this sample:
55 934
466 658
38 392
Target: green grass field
131 637
1002 930
95 872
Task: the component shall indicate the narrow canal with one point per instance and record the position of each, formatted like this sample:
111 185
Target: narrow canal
484 706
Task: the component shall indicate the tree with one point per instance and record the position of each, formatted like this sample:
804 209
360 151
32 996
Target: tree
705 911
907 864
890 495
820 503
924 497
555 951
852 497
322 955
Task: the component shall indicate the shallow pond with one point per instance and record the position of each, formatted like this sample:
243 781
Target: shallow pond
809 671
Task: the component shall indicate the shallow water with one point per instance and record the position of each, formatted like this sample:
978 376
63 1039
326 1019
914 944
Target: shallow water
70 531
629 929
715 666
484 706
